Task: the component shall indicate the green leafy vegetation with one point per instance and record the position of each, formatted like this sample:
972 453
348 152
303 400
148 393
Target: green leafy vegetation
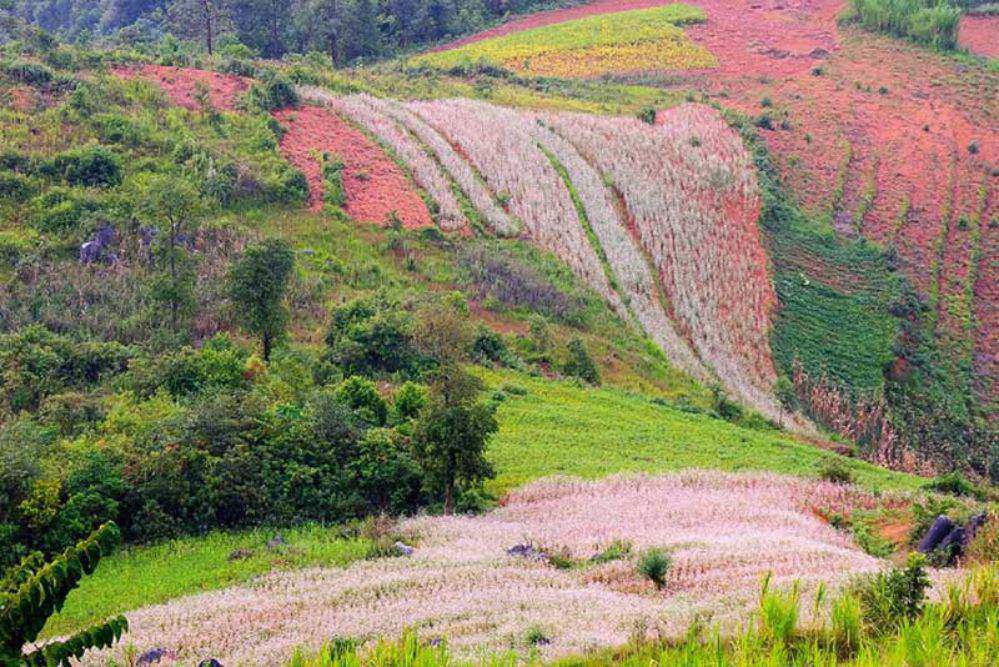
930 22
34 590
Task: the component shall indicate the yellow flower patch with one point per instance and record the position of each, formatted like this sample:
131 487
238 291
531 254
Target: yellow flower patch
621 42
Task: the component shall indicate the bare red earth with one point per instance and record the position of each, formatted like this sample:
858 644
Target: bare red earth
376 187
980 35
181 85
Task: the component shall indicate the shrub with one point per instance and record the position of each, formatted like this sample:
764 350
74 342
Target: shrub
388 478
955 484
723 406
654 564
929 22
33 74
580 364
35 363
410 399
93 166
499 274
276 92
217 365
15 187
372 337
984 547
835 471
488 346
361 395
334 192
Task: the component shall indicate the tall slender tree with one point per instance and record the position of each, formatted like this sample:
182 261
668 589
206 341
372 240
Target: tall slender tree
258 282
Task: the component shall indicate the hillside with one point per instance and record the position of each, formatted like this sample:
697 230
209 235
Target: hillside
539 338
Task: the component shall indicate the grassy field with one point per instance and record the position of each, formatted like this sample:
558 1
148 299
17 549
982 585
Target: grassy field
140 576
562 428
632 41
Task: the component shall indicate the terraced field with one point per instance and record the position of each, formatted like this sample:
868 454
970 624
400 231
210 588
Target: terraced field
880 137
629 41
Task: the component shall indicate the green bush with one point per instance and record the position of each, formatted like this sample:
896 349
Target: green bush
955 484
889 599
33 74
93 166
931 22
15 187
410 400
361 395
218 365
579 363
654 564
35 363
334 192
372 337
835 471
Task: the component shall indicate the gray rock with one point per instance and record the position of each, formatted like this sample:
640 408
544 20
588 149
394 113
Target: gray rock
154 655
940 529
403 549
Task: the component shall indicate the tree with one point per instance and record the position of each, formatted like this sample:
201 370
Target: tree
173 205
33 590
450 443
200 19
257 285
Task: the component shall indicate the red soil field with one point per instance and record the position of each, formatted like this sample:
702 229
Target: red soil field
181 85
376 187
22 99
980 35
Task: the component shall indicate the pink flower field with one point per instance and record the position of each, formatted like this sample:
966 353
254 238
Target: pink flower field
723 531
660 220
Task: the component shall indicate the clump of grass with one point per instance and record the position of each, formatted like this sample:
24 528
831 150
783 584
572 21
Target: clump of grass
778 614
616 550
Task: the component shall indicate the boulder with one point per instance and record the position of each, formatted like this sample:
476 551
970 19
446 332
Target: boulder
154 655
940 529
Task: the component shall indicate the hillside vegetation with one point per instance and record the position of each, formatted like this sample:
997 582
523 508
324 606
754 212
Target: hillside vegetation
530 347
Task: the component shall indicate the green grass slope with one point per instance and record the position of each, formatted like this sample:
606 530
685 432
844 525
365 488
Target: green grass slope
561 428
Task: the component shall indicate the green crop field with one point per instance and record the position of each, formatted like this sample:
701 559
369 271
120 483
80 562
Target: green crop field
558 428
635 40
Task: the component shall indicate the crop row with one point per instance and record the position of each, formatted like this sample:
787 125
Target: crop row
461 581
364 110
672 210
499 143
631 270
691 194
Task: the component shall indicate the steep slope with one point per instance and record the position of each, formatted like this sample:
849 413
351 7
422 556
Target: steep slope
855 120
